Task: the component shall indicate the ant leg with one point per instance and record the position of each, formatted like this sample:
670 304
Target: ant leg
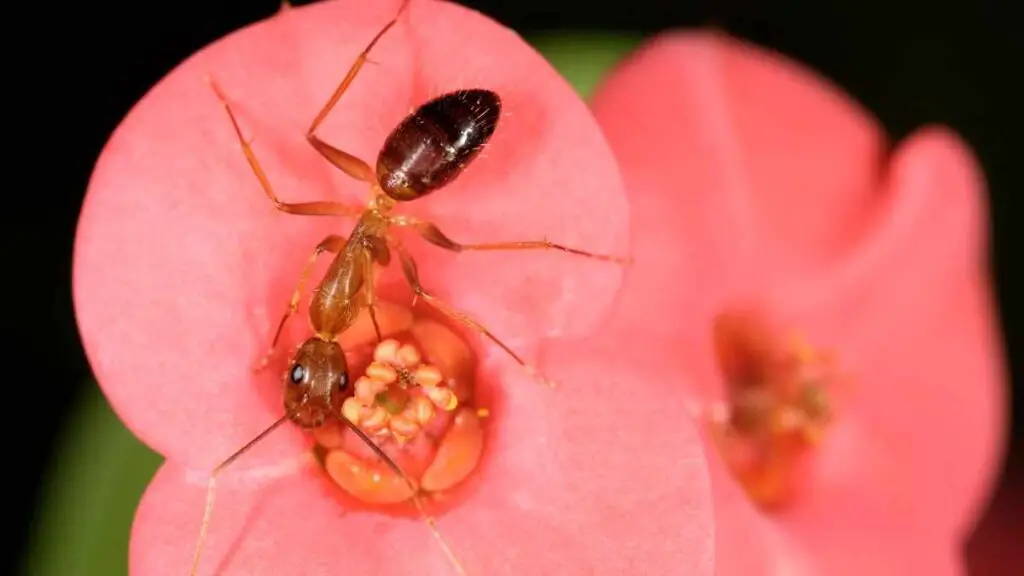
346 162
323 208
431 233
332 244
370 294
353 71
412 277
342 160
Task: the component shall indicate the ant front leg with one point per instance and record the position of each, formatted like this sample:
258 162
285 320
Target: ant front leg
344 161
370 292
412 277
332 244
323 208
431 233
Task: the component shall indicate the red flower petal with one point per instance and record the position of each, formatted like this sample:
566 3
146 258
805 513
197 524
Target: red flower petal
861 517
891 282
286 525
929 369
727 140
594 477
733 141
183 267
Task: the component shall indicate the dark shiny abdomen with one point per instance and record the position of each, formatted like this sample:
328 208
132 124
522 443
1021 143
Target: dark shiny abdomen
433 145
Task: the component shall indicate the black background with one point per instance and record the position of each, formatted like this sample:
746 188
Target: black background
908 62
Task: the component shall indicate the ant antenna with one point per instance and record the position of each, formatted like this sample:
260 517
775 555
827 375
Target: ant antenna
429 520
212 485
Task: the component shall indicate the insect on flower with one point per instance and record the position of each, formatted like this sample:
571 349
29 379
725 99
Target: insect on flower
425 152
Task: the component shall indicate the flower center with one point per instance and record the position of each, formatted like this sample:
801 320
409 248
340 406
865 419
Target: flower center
777 407
399 394
413 396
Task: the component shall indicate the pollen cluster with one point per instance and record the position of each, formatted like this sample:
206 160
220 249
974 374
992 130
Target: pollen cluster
399 393
414 399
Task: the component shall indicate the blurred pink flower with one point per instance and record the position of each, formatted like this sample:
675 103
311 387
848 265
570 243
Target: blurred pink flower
182 268
760 191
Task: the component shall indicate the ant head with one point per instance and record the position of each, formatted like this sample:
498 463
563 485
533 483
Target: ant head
316 383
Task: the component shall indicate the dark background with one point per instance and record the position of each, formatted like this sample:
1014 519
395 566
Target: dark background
908 62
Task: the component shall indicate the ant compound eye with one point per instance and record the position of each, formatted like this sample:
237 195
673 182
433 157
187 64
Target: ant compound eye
343 382
297 374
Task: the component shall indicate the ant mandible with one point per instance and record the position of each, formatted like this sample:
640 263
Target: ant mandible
425 152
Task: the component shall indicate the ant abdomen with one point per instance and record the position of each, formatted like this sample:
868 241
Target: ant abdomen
434 144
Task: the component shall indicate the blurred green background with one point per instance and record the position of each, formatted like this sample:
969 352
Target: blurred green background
101 470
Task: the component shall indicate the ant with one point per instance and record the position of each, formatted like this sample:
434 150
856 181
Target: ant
425 152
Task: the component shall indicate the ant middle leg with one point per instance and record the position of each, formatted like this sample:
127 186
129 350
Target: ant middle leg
332 244
431 233
347 163
323 208
412 277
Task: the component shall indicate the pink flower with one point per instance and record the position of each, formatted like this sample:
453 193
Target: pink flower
182 268
764 202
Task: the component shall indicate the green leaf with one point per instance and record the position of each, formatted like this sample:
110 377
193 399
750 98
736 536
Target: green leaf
584 58
94 486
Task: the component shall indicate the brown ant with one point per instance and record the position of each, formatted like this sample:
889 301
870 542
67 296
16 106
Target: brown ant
425 152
